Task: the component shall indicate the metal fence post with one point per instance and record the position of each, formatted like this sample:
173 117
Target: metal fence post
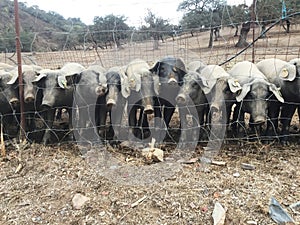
19 59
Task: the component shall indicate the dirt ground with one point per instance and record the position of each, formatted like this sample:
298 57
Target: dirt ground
39 184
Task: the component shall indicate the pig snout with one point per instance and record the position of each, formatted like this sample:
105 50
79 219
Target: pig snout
29 98
111 103
172 81
47 104
148 109
214 108
181 99
259 119
14 102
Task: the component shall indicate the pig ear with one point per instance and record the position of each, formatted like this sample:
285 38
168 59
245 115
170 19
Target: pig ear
13 79
276 92
234 85
155 67
288 72
138 82
62 82
156 84
125 90
204 85
102 78
134 82
39 77
244 92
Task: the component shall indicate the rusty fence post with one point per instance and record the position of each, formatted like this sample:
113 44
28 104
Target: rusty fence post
19 59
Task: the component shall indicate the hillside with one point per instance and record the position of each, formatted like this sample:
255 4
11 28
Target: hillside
32 20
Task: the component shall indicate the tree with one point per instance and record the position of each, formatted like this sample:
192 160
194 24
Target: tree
237 14
205 13
109 29
156 26
197 5
242 42
274 10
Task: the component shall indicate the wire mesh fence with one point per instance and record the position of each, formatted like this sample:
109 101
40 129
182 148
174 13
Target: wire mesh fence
186 44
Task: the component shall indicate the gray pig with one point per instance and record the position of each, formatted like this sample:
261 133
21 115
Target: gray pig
32 96
170 71
58 88
192 103
9 100
140 86
111 104
90 84
256 89
286 76
220 89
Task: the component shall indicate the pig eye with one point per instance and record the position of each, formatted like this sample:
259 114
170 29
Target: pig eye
194 85
227 90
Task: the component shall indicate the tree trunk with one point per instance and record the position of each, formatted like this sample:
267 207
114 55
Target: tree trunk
210 44
236 30
156 41
242 42
155 44
288 24
263 29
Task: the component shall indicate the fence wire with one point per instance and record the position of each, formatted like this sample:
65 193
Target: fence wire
187 44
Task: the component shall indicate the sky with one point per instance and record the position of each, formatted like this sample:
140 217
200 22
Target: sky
133 10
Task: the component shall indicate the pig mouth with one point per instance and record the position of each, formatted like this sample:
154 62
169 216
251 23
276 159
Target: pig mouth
259 120
148 109
14 102
214 109
180 99
172 82
110 103
29 100
46 106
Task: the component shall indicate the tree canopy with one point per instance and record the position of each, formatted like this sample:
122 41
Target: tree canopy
43 31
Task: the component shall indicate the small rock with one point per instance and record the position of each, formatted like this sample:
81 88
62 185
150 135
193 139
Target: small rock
43 210
102 213
237 174
79 200
226 192
37 219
